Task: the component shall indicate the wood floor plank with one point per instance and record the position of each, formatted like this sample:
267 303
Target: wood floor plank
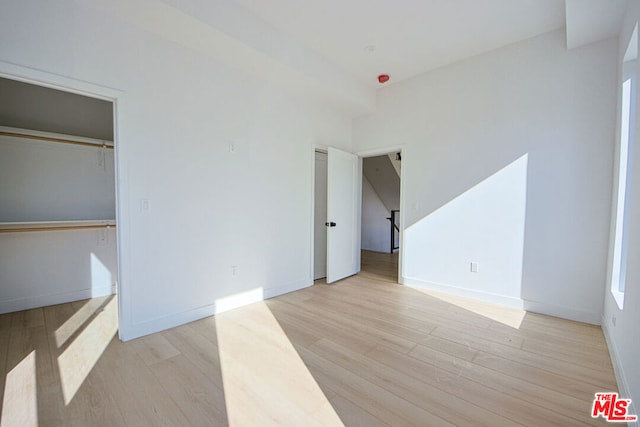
319 326
354 416
536 375
386 318
441 403
375 353
262 370
29 339
196 395
577 354
359 327
566 368
138 393
94 404
374 399
546 399
154 348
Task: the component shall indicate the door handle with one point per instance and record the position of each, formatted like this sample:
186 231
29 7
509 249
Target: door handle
330 224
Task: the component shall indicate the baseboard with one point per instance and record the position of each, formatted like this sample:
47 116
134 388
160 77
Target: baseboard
28 303
563 312
285 289
137 330
219 306
621 378
503 300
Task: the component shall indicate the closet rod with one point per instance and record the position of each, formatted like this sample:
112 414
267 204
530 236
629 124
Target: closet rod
61 140
59 228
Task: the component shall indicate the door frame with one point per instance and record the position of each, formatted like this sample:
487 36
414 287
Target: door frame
66 84
322 149
402 149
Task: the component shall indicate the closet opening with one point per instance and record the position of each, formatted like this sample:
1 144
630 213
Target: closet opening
58 242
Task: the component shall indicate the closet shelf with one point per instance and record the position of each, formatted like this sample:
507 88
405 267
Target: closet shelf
18 227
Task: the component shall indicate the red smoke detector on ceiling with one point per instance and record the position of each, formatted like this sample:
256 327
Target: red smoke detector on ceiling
383 78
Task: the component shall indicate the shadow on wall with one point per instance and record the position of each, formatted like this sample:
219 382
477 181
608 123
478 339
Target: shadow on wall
532 233
475 241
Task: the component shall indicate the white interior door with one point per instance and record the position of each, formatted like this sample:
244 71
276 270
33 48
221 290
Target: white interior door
343 215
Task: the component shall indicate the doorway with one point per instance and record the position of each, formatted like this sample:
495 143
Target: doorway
381 188
320 215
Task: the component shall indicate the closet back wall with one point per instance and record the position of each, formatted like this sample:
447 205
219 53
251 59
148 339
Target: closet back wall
45 183
52 181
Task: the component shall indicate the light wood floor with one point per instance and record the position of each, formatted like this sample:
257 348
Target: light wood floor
363 352
380 266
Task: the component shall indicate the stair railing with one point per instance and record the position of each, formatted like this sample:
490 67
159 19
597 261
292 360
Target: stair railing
395 229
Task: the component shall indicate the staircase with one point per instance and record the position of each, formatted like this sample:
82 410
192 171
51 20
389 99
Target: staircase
383 173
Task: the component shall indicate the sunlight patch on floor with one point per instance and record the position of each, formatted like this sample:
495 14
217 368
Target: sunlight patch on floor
77 360
20 403
265 380
507 316
75 322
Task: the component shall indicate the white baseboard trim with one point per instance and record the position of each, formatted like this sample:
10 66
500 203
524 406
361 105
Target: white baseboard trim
219 306
137 330
503 300
618 370
563 312
285 289
28 303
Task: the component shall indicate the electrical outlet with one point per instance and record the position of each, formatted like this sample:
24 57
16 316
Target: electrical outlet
232 147
613 320
234 271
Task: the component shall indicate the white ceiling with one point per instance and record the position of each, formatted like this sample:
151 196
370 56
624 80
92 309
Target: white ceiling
410 36
317 49
589 21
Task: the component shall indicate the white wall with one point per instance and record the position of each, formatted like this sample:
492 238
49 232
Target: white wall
180 108
51 267
50 181
623 335
384 179
375 227
507 162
